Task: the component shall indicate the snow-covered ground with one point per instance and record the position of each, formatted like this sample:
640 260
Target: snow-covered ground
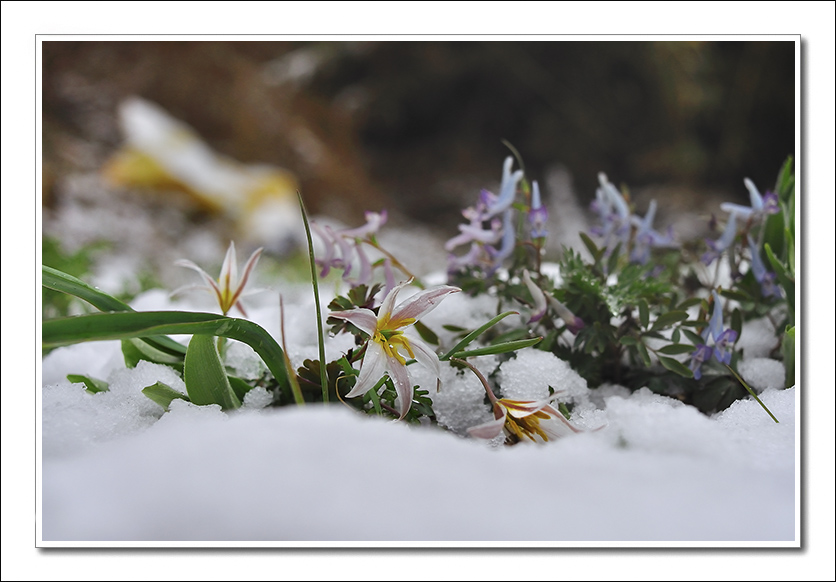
116 469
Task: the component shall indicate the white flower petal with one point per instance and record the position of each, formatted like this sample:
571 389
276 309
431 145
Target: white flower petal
403 385
425 356
363 318
421 303
372 369
488 430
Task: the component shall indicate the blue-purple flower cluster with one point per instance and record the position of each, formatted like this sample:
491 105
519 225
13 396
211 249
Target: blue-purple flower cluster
620 227
720 337
490 228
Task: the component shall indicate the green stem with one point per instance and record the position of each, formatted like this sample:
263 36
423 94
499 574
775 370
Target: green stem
319 336
752 392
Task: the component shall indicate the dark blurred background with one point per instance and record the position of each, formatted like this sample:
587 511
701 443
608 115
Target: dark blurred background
418 127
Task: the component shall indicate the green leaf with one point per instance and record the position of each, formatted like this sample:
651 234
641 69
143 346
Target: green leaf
785 279
59 281
675 349
785 184
204 374
690 302
628 340
645 356
737 321
135 350
736 295
498 348
644 313
694 337
163 394
675 336
788 351
590 246
239 386
676 366
94 385
668 319
124 325
426 333
476 333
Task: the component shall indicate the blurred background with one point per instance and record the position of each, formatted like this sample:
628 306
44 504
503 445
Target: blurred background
417 128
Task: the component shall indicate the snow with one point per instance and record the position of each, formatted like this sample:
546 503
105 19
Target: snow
647 468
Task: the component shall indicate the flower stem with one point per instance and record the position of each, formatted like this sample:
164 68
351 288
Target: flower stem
482 379
319 336
752 392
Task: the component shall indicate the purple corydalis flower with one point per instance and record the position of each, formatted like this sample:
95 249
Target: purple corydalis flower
374 220
701 355
508 188
762 276
722 338
507 243
718 247
538 215
613 212
647 238
349 242
387 342
759 205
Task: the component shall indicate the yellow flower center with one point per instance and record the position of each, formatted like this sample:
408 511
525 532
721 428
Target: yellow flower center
391 341
527 426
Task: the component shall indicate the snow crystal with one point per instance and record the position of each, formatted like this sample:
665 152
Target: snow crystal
243 361
257 398
75 418
461 400
529 375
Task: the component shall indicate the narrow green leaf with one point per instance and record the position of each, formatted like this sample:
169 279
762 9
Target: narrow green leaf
498 348
163 394
645 356
590 246
675 349
476 333
788 351
675 336
204 374
644 313
135 350
668 319
124 325
94 385
751 392
628 340
319 334
785 279
736 295
690 302
60 281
